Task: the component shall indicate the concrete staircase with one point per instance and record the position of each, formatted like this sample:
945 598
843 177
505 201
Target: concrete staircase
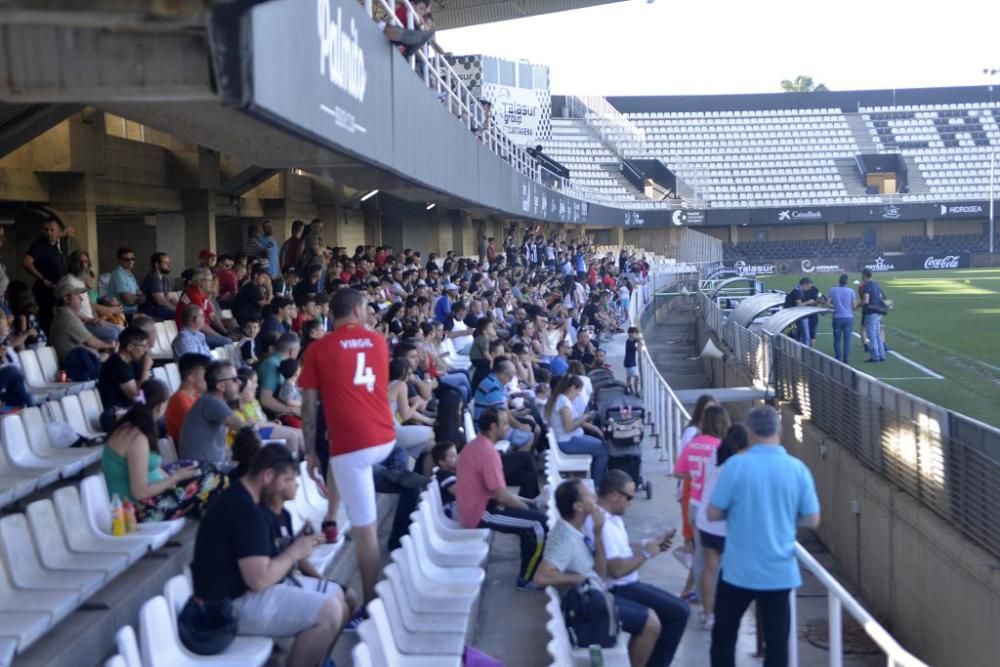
849 174
915 178
860 131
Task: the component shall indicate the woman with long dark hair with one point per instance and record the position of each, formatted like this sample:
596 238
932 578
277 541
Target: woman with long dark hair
568 426
130 461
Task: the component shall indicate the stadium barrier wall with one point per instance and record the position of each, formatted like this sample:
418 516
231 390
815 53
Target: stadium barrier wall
901 480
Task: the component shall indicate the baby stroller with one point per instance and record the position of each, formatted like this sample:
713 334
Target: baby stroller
622 418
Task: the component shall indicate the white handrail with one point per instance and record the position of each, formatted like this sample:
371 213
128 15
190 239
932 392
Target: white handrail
667 414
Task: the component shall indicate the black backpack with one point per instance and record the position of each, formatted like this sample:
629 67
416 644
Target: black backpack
591 616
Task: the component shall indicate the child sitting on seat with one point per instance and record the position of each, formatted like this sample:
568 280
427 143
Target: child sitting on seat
289 393
445 456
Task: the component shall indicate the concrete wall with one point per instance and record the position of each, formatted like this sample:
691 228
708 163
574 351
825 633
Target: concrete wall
939 592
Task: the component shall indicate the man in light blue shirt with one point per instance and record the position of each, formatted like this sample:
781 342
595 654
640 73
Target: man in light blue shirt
123 286
270 246
842 298
762 495
190 339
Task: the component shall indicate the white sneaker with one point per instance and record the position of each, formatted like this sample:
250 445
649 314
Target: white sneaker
708 622
686 559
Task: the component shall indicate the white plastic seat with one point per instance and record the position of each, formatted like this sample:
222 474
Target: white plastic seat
580 657
458 567
14 486
449 531
49 363
162 349
81 535
20 630
430 641
361 656
412 618
161 647
160 373
568 463
74 416
168 451
34 379
376 632
115 661
446 552
54 551
250 650
173 375
26 571
128 646
432 595
97 505
90 403
32 427
57 603
17 460
469 426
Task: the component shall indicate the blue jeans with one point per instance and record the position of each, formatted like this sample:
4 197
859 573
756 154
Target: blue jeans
106 331
873 325
215 340
802 327
588 444
670 609
161 313
842 327
408 498
460 381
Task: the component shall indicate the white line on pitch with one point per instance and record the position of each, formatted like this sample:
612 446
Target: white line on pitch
919 367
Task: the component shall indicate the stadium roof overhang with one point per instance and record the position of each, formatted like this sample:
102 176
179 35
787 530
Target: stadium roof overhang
783 319
737 283
461 13
750 309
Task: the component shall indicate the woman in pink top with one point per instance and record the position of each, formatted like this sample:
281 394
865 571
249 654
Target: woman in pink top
695 459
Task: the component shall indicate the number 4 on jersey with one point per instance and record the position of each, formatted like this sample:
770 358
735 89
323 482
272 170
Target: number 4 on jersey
363 375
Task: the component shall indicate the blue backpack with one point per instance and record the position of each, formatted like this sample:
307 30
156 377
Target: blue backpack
591 616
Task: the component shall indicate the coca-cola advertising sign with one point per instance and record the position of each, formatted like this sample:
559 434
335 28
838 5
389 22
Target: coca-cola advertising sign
885 263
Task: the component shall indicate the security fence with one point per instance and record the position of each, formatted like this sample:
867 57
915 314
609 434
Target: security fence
947 461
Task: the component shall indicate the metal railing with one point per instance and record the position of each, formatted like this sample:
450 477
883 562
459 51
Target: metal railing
668 417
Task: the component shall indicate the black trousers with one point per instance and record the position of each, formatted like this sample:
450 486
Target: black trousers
528 525
730 604
519 470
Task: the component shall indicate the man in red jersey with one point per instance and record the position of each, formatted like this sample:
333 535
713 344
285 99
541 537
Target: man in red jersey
348 372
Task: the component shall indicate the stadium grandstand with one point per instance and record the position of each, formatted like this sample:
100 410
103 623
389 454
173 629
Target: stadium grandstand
366 353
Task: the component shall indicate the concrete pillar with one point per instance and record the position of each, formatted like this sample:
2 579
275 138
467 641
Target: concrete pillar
830 231
170 235
443 236
734 234
199 224
930 228
618 236
73 198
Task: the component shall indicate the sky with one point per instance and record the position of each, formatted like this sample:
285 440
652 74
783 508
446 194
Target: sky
726 46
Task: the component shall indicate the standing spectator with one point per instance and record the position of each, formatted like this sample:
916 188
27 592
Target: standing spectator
348 372
271 250
123 285
712 534
253 248
633 345
122 375
156 289
797 297
206 259
695 457
483 500
762 495
190 339
624 558
843 300
191 368
873 305
25 311
4 278
685 553
229 281
567 425
44 262
233 560
569 560
291 249
203 433
198 294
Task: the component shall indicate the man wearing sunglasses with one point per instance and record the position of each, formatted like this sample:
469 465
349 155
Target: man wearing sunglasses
123 283
624 558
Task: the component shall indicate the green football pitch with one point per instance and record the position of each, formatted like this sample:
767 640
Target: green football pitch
944 329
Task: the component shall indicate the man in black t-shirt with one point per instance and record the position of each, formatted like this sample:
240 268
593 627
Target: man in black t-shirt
584 350
122 374
233 560
44 262
252 297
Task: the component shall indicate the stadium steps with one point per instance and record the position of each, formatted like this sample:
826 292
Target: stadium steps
849 174
615 173
915 177
856 123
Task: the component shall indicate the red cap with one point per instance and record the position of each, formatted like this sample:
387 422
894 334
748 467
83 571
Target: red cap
206 254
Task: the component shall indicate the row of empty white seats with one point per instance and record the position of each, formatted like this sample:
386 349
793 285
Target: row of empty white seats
166 331
742 113
58 553
930 107
41 374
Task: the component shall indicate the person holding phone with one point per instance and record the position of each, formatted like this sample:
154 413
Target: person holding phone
625 558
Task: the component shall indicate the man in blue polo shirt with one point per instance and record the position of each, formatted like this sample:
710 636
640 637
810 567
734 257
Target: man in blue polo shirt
492 393
762 495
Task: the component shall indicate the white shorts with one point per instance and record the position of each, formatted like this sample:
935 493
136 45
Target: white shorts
285 609
632 371
353 474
